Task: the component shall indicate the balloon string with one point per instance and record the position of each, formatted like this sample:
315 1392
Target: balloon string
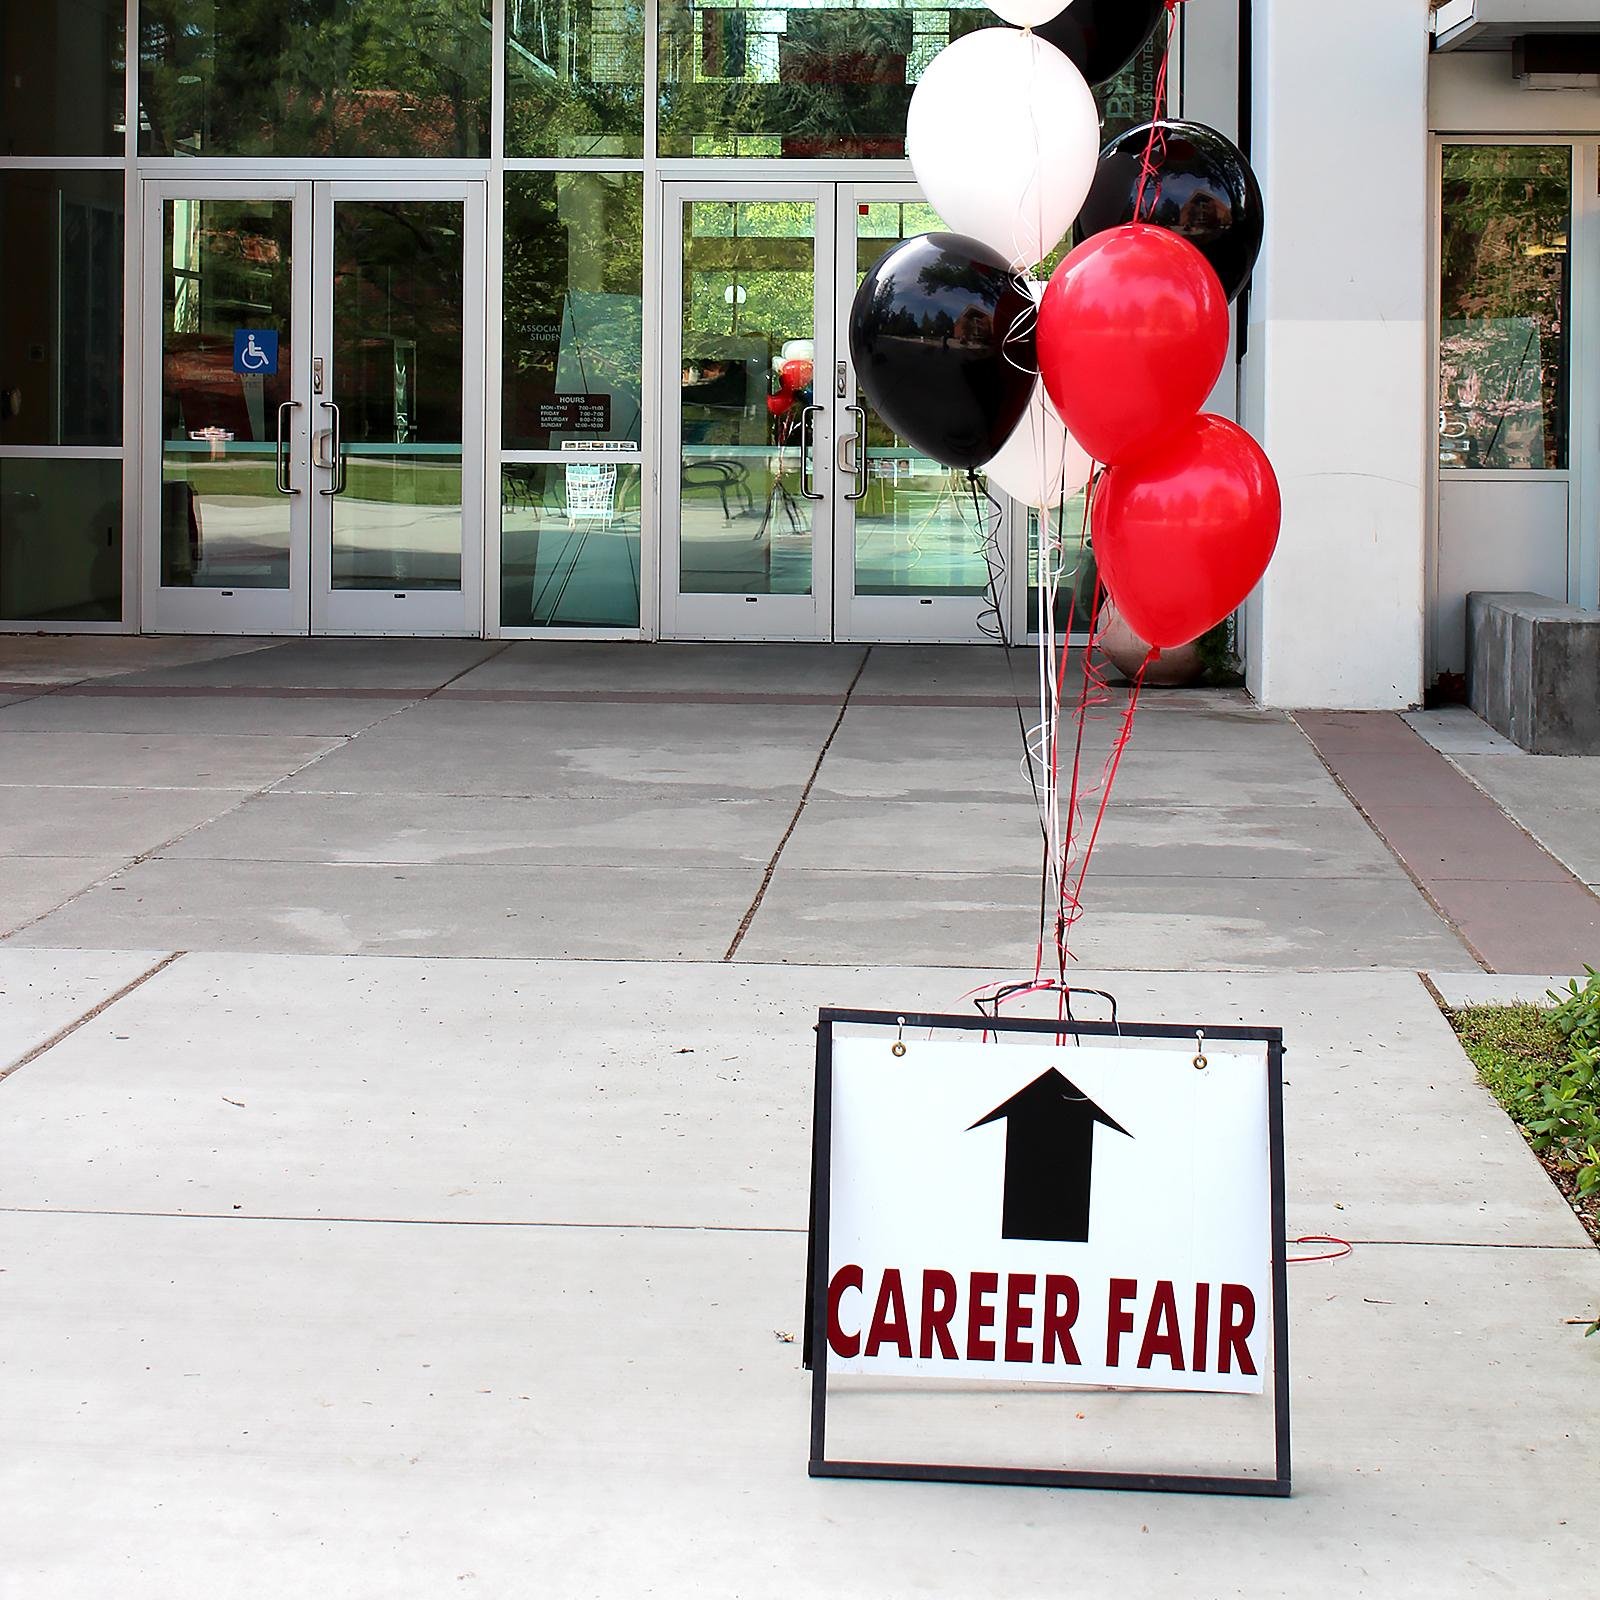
1156 143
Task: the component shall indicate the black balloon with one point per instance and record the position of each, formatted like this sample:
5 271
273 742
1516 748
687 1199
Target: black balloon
1102 36
941 334
1199 187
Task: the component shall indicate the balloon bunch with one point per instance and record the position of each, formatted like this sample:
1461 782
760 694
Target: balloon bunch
1131 332
978 365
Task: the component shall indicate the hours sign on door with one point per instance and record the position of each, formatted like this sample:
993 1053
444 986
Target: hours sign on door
1008 1211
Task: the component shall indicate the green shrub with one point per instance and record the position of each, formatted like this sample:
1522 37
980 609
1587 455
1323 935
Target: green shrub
1571 1119
1544 1069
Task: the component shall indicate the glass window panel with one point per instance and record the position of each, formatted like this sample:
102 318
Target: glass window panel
61 64
399 309
314 77
1504 295
60 540
574 78
60 307
574 318
226 270
569 543
740 78
748 307
1075 585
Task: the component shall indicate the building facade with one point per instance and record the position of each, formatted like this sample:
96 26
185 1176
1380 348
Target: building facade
527 319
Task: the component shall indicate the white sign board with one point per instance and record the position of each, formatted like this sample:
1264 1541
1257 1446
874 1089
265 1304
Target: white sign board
1083 1214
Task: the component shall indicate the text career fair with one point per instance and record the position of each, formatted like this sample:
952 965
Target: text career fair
933 1316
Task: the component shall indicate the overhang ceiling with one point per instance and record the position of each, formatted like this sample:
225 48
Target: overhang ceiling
1493 24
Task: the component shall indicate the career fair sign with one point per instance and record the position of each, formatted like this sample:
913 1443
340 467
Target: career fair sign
1107 1211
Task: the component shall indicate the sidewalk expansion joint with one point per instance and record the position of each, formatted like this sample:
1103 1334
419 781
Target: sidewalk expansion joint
794 821
577 1226
89 1015
404 1222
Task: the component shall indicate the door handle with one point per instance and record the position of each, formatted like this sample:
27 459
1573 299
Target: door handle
808 475
856 465
281 452
336 466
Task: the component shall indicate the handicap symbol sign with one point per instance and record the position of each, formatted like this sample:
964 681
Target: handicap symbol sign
255 350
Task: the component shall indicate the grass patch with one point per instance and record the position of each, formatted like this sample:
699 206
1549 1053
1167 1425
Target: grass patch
1543 1065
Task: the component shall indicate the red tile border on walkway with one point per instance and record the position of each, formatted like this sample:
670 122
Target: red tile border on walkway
1515 906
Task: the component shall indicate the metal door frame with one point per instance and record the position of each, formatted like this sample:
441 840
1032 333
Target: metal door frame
215 610
400 613
736 616
309 604
909 618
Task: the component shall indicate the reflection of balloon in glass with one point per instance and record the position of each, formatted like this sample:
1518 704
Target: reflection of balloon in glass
798 350
1184 533
1133 332
778 404
1003 135
1101 37
1200 187
795 374
942 340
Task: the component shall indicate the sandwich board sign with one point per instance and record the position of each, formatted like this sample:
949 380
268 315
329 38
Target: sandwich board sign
1024 1202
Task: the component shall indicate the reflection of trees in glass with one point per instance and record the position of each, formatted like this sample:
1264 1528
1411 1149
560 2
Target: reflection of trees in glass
744 79
574 284
1503 289
769 257
828 81
314 77
574 78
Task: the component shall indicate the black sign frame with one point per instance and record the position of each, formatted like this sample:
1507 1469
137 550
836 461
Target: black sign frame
821 1465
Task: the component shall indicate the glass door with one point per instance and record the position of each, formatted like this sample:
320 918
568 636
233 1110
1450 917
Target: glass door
747 492
918 555
397 409
226 516
790 510
314 407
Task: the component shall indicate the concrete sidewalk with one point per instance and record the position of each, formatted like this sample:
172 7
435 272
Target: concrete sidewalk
434 1221
466 798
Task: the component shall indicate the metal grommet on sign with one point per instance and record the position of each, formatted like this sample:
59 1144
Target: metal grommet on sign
898 1048
1199 1050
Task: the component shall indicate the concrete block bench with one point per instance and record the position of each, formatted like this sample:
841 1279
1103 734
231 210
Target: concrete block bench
1533 671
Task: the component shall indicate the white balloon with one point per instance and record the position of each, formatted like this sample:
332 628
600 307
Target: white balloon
1003 136
1041 464
1027 13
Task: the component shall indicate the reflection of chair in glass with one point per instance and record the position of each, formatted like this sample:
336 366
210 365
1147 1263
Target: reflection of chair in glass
722 476
591 493
521 485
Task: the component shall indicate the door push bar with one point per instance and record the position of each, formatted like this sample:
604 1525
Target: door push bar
281 453
808 476
855 464
337 465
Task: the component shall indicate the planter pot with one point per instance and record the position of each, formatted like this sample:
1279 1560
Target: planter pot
1176 668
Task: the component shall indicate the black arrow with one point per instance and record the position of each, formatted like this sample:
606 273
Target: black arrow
1049 1153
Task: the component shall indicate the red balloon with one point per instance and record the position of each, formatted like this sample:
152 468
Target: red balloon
1184 533
778 404
1133 332
795 374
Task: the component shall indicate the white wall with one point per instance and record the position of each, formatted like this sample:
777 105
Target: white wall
1335 381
